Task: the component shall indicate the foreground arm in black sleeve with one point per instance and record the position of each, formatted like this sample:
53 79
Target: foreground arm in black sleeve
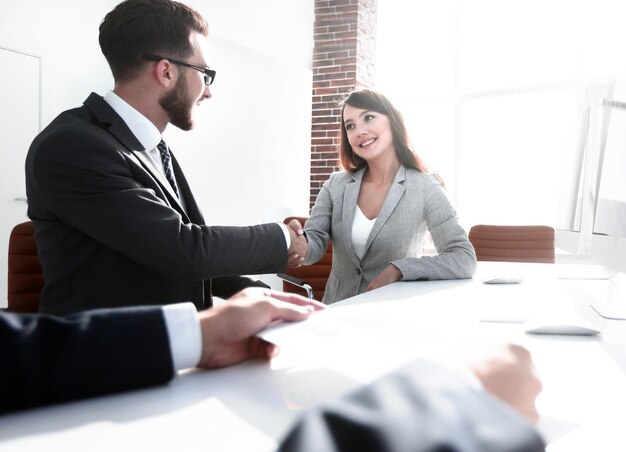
421 407
48 359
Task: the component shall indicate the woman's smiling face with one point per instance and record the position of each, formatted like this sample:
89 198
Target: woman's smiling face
369 133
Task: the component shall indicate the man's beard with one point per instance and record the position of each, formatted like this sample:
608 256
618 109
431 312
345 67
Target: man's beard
177 105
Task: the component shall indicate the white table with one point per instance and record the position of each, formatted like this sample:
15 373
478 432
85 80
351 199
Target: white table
250 406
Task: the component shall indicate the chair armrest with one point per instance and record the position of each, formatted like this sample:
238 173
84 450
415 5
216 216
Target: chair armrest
297 282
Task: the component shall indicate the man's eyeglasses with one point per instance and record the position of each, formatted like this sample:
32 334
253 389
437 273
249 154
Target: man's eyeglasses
209 74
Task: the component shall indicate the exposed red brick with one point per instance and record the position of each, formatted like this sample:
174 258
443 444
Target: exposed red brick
334 126
321 141
343 59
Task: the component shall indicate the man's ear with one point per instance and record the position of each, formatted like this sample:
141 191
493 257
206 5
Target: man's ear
165 73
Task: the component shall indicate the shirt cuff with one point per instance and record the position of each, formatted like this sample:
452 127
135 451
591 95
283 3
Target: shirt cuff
285 229
183 330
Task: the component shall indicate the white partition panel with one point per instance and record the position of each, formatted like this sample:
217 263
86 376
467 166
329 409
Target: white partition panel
19 119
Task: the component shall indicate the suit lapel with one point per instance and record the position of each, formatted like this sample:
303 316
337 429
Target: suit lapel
192 211
110 120
396 191
157 174
119 129
350 197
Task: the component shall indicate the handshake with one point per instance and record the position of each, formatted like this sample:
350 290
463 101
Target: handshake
299 245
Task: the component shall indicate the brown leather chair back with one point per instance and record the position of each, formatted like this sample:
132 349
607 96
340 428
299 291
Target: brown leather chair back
25 279
315 275
513 243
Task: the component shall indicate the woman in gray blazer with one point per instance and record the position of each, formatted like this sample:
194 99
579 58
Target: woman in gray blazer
379 208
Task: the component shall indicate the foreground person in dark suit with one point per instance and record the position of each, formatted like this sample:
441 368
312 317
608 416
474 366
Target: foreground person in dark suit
427 407
421 407
116 221
47 359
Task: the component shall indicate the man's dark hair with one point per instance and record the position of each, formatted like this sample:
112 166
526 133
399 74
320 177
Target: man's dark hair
135 28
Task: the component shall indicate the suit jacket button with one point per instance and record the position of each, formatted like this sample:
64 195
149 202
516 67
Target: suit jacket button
358 271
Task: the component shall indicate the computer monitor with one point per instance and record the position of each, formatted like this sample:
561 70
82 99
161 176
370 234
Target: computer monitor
578 181
610 208
593 214
594 221
572 185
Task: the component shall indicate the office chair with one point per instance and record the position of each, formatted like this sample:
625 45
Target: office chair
513 243
25 277
308 280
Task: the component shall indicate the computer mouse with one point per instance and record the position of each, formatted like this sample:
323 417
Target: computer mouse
574 327
503 280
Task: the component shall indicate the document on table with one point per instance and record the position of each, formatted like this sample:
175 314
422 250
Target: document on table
391 321
560 299
359 340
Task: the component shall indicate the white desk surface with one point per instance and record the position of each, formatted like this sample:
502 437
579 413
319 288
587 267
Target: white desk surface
250 406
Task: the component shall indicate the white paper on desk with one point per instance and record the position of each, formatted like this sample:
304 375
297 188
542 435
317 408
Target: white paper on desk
361 341
393 322
318 326
517 304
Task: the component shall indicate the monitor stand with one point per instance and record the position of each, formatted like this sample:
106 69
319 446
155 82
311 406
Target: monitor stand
614 305
612 311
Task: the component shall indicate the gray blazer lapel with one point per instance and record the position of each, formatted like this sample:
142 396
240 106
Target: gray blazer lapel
396 191
350 197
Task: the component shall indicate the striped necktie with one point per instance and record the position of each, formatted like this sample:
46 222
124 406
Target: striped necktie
166 158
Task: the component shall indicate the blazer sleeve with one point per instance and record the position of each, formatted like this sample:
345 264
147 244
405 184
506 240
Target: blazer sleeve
88 183
455 257
421 407
48 359
318 227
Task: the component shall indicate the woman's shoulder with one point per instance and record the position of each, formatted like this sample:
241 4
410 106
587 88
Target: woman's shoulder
422 178
339 178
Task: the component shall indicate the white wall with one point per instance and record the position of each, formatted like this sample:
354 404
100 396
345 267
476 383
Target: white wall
19 124
248 158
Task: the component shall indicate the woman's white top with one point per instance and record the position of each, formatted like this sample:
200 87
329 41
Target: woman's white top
361 228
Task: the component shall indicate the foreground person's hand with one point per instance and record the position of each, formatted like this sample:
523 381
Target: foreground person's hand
228 331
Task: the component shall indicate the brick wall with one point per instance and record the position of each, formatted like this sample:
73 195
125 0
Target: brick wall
343 59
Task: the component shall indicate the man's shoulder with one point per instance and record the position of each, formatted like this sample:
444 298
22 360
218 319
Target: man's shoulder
80 117
67 138
77 121
69 127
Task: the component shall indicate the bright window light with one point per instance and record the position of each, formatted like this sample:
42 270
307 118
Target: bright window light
493 90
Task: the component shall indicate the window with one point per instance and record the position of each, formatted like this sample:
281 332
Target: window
492 92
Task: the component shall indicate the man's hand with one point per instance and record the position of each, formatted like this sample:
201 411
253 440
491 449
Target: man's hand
228 330
510 375
389 275
298 249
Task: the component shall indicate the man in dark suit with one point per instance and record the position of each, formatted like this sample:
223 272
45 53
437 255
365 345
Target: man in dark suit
423 406
116 222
